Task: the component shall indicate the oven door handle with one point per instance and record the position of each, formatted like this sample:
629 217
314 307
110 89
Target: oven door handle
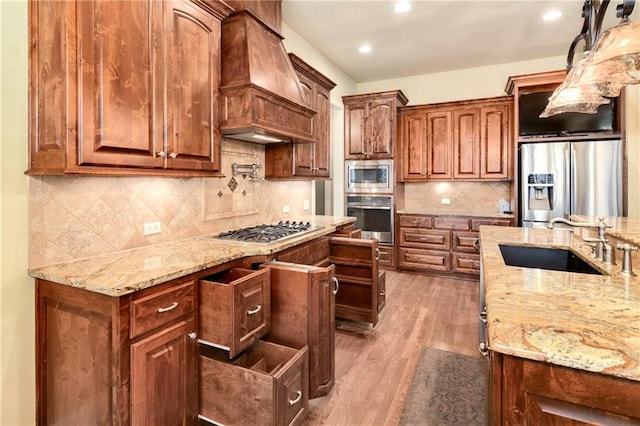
371 207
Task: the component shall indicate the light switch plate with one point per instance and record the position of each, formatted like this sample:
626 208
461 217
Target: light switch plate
151 228
285 209
445 201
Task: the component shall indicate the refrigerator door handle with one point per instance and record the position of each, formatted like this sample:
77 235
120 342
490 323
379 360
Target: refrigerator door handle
570 178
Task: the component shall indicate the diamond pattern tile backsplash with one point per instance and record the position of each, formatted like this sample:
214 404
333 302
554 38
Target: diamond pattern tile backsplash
73 217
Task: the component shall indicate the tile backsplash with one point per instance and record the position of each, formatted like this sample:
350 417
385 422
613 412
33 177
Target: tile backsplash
73 217
463 197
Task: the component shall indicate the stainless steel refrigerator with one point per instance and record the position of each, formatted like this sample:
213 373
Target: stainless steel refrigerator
558 179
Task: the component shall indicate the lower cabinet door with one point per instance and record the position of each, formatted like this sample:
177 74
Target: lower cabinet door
163 374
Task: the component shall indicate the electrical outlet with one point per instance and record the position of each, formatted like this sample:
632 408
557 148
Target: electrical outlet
445 201
306 205
285 209
151 228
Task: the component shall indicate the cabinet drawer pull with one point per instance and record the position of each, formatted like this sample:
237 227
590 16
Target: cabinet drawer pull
377 253
255 310
168 308
382 293
296 399
476 244
336 286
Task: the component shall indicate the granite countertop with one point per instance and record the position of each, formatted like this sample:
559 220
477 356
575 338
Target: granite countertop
625 228
454 213
588 322
123 272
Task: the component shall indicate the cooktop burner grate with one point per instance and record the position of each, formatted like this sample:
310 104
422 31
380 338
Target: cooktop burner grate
266 233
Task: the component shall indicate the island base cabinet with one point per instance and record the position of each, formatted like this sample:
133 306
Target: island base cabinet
538 393
266 385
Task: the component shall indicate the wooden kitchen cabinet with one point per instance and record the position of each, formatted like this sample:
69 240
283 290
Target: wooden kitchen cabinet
370 124
526 392
358 296
305 160
467 140
235 308
266 385
122 88
97 356
442 244
303 314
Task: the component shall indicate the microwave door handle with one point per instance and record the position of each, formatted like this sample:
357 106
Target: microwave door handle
370 207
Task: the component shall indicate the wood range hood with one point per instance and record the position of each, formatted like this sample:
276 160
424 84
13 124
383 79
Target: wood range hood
260 96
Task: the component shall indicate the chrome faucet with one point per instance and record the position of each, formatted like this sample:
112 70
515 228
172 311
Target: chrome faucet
602 249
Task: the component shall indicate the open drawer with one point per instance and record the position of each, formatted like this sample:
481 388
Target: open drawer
235 309
266 385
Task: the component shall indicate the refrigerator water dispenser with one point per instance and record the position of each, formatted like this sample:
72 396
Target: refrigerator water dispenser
540 191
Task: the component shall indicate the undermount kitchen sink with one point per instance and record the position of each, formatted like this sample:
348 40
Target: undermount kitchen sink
545 258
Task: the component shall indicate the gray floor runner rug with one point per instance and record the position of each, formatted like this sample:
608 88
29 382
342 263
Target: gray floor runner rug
447 389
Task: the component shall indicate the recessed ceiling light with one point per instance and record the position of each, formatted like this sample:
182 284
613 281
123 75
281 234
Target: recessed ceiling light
402 7
551 15
365 48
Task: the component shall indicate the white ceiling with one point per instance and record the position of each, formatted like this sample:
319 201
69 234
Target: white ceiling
436 35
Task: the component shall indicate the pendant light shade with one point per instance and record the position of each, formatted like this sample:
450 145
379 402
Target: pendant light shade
612 62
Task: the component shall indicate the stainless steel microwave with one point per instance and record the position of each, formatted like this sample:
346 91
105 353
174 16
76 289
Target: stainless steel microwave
369 176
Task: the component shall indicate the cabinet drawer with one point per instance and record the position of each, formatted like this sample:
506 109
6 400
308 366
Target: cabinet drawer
466 263
387 257
266 385
161 308
465 241
235 308
454 223
476 223
415 221
424 259
427 239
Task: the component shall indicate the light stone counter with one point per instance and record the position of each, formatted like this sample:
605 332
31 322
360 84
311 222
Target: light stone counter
625 228
124 272
582 321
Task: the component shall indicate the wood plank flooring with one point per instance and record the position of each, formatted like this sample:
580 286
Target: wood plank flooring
374 366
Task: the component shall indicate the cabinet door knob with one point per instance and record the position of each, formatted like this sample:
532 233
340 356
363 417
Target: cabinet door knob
173 155
161 154
192 335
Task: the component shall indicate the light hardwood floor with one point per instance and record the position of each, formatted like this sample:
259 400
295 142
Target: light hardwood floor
374 366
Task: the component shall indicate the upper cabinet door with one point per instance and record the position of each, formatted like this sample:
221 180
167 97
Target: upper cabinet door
354 129
466 136
439 144
322 154
414 146
193 62
120 72
381 128
495 141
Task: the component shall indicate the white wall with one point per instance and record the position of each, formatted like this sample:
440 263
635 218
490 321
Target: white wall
344 86
17 329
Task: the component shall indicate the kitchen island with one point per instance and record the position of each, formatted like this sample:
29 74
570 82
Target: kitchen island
166 320
562 345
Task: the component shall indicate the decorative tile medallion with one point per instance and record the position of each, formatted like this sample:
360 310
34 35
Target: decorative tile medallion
233 184
220 194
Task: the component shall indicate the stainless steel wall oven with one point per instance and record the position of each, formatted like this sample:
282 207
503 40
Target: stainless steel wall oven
374 215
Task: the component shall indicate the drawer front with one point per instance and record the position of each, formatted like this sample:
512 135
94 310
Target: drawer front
292 391
466 263
466 241
408 221
453 223
476 223
164 307
426 239
252 305
387 256
424 259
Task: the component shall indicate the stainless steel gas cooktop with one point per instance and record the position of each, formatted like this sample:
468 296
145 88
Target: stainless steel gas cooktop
267 233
